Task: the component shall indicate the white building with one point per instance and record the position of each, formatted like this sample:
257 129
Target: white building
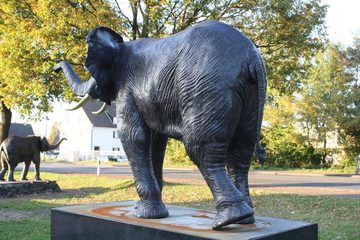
90 136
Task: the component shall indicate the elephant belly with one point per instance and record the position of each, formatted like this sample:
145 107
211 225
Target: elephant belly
159 109
170 127
173 131
163 119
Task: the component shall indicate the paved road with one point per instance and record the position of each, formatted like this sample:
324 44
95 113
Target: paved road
319 184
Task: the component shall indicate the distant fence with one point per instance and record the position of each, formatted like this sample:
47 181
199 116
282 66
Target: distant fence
105 156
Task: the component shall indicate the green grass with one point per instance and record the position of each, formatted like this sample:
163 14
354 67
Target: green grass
338 218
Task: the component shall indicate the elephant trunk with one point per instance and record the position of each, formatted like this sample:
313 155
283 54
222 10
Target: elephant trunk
56 145
80 88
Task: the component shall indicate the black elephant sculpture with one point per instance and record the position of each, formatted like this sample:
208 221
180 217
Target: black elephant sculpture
205 86
15 149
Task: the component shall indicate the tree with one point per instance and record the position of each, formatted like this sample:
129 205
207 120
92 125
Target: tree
34 36
349 120
54 135
325 97
289 32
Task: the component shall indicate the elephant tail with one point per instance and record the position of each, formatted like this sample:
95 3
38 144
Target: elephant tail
260 153
258 75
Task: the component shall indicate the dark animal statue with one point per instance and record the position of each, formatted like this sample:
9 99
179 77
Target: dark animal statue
15 150
205 86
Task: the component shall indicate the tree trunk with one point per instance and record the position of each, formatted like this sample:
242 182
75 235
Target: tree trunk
323 161
5 121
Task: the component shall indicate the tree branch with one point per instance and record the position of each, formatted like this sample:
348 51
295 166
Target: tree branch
121 12
168 16
92 5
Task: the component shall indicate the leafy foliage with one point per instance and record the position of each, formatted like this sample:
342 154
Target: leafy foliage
284 152
289 32
349 119
327 107
54 135
176 154
34 36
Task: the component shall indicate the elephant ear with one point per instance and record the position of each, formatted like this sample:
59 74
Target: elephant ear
43 144
103 49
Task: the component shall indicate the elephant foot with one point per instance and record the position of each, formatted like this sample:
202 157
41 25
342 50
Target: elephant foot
11 180
232 214
38 179
23 179
150 209
249 220
2 179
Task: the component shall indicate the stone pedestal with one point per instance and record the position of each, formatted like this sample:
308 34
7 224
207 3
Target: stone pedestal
11 189
114 221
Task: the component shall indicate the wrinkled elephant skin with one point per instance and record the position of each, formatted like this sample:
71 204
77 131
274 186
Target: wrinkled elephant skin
204 86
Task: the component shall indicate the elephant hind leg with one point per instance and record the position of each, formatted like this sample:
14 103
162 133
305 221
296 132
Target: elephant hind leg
229 201
25 170
238 168
238 165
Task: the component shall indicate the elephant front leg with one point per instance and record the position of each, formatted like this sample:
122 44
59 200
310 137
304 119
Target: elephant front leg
37 171
25 170
158 147
136 141
36 161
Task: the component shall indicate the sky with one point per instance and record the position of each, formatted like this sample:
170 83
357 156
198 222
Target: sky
343 23
343 20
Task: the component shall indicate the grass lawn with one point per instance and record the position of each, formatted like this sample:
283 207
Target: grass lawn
28 217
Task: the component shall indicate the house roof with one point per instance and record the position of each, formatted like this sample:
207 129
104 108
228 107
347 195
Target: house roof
103 120
21 129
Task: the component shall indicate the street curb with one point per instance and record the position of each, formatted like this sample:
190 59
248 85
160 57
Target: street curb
305 174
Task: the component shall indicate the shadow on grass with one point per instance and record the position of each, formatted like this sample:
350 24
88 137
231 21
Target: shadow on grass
174 184
83 192
127 184
34 202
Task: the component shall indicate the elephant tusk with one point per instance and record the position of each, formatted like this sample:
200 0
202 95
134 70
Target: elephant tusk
82 102
101 110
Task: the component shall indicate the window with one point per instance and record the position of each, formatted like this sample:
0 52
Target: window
115 149
96 148
116 134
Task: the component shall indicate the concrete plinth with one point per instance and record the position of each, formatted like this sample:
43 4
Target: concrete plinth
114 221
